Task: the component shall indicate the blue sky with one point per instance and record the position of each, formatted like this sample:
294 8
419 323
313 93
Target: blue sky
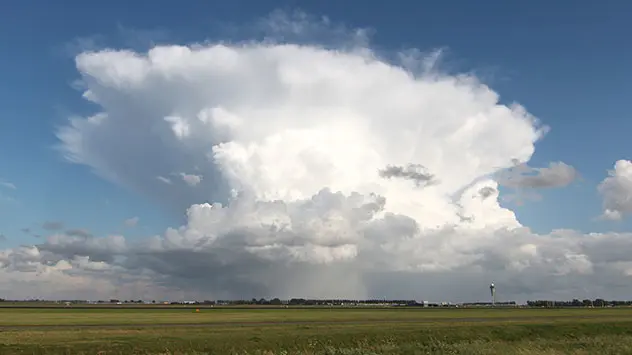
567 63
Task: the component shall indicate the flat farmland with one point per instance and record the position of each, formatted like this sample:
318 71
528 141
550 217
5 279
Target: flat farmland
183 330
187 316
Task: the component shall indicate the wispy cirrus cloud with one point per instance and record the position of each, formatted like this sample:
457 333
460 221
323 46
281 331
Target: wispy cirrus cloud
8 185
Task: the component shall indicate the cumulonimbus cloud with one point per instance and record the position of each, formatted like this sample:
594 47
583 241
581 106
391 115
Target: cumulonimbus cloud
287 141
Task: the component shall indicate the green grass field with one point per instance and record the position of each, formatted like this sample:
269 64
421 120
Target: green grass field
315 331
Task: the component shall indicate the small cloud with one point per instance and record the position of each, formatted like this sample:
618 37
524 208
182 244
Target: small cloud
79 233
487 191
3 237
464 218
414 172
8 185
191 179
611 215
26 230
557 174
131 222
616 191
53 226
164 179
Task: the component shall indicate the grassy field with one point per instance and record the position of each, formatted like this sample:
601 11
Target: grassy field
315 331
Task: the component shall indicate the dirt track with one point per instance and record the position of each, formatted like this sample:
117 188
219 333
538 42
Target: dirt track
542 319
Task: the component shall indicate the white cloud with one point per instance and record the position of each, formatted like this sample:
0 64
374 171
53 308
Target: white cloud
164 179
191 179
291 140
526 180
131 222
333 245
8 185
557 174
616 190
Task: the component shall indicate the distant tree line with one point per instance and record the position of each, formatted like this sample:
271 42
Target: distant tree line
597 302
312 302
474 304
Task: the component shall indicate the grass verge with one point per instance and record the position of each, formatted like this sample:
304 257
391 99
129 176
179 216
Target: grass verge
446 336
